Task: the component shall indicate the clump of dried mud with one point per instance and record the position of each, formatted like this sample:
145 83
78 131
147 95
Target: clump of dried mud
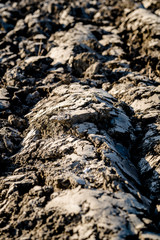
79 119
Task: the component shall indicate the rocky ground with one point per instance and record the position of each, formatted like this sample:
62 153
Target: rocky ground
80 119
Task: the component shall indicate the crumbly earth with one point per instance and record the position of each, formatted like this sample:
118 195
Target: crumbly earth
80 119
